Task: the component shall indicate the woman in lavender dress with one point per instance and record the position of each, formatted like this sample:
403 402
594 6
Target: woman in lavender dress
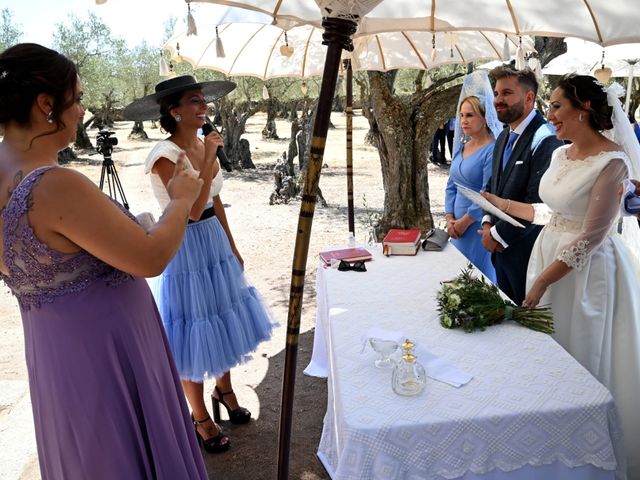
106 398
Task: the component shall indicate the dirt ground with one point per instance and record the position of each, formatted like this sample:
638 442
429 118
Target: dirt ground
265 236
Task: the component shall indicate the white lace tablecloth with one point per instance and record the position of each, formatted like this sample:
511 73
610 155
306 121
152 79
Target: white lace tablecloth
530 411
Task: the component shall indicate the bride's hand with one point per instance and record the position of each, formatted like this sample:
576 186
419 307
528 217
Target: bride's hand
499 202
535 293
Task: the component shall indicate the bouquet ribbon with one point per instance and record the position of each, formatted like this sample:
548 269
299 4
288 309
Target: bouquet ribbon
508 312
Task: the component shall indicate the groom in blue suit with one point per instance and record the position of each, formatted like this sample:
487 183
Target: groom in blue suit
521 155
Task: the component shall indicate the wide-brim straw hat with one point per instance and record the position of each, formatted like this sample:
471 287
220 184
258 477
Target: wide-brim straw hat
148 108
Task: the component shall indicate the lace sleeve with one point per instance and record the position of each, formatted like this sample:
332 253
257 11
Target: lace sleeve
602 212
541 213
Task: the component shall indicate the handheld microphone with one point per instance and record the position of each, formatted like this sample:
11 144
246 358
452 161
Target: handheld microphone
207 128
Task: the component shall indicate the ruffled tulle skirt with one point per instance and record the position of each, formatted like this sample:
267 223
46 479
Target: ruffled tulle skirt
212 316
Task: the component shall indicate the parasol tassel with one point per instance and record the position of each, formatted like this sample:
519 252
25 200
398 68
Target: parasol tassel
433 47
538 69
520 63
163 67
219 46
191 22
505 49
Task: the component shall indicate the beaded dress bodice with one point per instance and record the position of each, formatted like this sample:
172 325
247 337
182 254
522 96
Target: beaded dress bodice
37 273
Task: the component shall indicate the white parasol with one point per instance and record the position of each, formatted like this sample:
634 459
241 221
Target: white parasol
605 22
268 51
584 58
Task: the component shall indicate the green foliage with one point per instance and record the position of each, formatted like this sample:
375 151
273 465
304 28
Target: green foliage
112 74
138 72
10 33
97 54
470 303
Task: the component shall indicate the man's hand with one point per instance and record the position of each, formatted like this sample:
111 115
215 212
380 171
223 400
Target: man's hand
637 185
488 242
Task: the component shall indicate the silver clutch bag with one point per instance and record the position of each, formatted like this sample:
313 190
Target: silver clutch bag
435 240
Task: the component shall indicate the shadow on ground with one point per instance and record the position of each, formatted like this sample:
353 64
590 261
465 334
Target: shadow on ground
254 451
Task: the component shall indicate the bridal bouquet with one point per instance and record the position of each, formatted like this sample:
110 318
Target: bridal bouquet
470 303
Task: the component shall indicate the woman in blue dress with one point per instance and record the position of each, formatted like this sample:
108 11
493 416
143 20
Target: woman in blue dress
471 168
213 317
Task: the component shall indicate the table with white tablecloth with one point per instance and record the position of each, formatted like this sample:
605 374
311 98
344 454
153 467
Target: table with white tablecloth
530 411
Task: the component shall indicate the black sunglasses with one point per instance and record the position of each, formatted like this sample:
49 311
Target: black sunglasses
355 266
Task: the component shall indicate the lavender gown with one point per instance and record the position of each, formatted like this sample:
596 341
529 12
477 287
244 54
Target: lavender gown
107 402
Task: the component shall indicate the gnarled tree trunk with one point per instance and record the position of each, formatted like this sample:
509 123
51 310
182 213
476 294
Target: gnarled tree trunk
137 132
401 129
234 119
82 137
269 131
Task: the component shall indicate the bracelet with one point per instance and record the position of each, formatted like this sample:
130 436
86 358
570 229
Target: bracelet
508 205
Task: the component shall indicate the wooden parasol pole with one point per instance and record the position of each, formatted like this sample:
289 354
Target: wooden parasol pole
337 36
349 109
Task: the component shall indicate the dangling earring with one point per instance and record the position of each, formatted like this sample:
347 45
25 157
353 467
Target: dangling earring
50 117
178 118
580 117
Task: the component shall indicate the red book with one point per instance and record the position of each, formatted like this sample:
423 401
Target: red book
402 242
347 254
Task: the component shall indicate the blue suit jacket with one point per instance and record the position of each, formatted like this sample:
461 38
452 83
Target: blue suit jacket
521 178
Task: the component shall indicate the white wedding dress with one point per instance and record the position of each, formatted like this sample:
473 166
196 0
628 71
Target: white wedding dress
596 306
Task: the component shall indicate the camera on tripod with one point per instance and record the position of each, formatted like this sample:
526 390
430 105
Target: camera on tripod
104 145
105 142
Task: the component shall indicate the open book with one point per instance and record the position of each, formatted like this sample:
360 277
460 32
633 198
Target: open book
486 205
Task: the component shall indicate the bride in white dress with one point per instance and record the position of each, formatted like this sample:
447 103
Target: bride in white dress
580 264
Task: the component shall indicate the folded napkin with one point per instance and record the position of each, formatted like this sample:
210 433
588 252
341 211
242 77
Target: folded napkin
434 366
436 240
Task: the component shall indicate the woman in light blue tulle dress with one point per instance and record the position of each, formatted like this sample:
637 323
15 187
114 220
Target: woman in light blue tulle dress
471 168
213 318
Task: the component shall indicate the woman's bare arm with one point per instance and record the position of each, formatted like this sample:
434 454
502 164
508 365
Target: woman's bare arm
70 213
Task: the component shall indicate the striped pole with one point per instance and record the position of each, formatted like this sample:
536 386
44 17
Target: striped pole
349 108
337 36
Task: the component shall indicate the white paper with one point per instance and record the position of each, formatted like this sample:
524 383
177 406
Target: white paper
486 205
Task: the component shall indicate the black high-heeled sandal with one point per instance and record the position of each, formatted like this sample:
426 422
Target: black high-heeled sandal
238 416
213 444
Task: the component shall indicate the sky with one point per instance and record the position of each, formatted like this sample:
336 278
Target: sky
133 20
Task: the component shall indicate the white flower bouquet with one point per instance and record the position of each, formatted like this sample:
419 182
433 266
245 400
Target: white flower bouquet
470 303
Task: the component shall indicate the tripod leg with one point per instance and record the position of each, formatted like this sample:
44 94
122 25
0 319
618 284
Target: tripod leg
113 181
118 187
102 173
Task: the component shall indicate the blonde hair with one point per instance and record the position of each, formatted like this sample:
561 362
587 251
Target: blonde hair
477 107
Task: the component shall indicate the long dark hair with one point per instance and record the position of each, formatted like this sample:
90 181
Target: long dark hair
26 71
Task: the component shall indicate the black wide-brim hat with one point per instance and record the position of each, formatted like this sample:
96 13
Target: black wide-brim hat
148 108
